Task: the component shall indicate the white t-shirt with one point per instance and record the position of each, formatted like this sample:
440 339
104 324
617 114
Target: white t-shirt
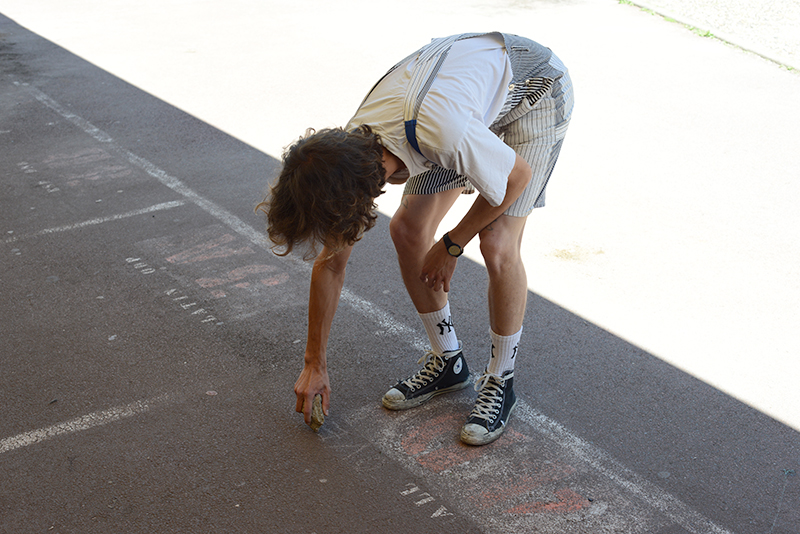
453 122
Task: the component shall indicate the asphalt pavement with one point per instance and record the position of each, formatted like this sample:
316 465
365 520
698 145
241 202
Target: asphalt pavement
151 339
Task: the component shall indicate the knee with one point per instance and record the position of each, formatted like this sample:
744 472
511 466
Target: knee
500 252
406 235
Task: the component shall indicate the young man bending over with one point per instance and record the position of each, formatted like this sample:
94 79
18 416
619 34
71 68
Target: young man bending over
485 112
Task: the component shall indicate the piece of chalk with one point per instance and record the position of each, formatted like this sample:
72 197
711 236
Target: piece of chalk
317 417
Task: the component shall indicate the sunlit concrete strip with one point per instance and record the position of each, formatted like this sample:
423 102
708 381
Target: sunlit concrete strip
79 424
731 36
99 220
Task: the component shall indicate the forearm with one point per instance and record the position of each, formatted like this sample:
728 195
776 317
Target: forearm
327 280
481 214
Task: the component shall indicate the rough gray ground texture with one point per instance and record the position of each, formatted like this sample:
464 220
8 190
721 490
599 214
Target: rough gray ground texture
770 28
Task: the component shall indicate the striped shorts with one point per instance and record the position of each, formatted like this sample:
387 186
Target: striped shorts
535 132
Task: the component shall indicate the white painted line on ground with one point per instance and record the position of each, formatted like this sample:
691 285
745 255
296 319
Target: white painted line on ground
386 322
162 176
627 480
99 220
78 424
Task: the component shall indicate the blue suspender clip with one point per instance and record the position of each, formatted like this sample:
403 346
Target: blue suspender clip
411 135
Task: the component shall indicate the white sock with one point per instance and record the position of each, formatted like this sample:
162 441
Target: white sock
439 327
504 353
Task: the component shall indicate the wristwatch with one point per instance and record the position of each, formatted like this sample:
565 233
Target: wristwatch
452 249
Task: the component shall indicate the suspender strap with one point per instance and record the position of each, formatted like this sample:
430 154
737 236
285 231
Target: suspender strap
411 134
425 70
527 60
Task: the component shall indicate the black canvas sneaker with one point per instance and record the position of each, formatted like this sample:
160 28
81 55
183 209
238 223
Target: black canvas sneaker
492 409
440 373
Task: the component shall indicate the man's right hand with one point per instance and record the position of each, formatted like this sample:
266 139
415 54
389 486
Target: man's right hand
327 279
312 381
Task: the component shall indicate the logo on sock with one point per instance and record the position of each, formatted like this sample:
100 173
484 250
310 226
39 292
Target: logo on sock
446 323
514 354
492 350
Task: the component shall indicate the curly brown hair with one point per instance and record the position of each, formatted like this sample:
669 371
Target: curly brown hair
326 190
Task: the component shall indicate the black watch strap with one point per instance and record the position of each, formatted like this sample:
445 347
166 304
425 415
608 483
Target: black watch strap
452 248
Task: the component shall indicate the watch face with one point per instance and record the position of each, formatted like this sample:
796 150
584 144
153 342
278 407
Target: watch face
454 250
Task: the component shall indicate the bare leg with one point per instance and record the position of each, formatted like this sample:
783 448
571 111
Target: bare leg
508 283
444 370
413 229
508 293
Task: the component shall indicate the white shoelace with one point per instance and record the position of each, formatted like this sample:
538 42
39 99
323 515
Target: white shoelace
433 365
490 396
